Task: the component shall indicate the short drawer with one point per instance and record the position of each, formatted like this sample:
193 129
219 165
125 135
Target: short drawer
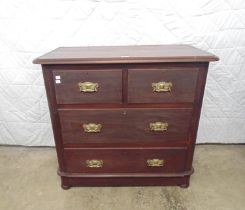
88 86
162 85
125 160
129 125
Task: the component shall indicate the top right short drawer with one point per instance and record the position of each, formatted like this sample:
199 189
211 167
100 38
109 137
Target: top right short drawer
162 85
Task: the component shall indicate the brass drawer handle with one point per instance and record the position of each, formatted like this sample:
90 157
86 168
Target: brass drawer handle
155 162
94 163
88 87
162 86
92 128
159 126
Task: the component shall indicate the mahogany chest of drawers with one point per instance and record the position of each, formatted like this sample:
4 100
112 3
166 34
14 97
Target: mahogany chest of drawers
125 115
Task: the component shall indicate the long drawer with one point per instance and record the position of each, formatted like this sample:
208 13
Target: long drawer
128 125
166 160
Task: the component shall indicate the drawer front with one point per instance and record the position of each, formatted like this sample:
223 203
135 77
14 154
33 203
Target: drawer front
88 86
161 85
125 160
125 125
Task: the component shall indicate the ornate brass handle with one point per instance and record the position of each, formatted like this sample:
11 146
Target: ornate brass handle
161 86
159 126
155 162
94 163
89 87
92 128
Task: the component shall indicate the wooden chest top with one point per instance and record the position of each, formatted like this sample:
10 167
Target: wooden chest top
125 54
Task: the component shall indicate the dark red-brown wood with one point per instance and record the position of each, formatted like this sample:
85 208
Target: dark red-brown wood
125 54
127 160
125 106
125 125
67 182
68 92
47 75
140 85
202 75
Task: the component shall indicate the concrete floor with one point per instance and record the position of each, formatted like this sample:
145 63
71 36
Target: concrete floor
29 181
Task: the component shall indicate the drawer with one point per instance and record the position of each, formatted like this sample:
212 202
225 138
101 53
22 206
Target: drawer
125 160
88 86
162 85
129 125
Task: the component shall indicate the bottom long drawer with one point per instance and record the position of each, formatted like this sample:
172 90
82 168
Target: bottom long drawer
130 160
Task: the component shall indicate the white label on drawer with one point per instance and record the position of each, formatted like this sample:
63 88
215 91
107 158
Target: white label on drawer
57 81
57 77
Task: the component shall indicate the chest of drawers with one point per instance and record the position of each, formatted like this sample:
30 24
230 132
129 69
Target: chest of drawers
125 115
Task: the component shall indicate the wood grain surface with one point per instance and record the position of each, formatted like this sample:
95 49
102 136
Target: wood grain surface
128 125
183 85
125 54
125 160
109 90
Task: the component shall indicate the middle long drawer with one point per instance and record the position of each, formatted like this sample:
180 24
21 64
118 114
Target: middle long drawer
125 125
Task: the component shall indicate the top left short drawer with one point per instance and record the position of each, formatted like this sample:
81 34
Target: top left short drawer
88 86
